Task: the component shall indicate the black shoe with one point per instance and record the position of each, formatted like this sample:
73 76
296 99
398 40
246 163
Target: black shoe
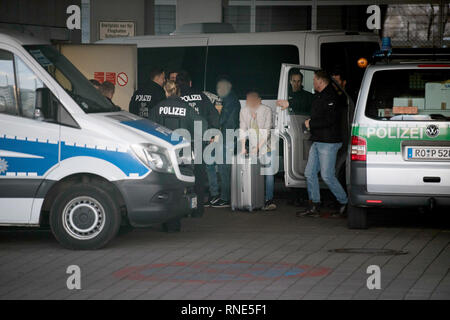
221 204
269 206
313 210
340 211
211 201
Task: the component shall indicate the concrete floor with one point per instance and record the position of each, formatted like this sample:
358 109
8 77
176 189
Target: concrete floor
239 255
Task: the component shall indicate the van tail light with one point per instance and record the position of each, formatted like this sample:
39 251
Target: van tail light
359 149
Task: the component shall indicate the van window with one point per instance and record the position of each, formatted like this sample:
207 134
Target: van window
345 56
190 59
8 103
409 94
249 67
71 79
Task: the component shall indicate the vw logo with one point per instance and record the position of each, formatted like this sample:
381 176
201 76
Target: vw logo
432 131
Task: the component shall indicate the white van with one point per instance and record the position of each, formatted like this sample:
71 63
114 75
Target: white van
400 145
250 60
70 159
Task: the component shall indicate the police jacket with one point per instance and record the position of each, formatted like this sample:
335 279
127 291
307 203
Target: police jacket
202 105
146 98
325 116
174 113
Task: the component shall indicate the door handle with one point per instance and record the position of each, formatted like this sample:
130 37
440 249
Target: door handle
432 179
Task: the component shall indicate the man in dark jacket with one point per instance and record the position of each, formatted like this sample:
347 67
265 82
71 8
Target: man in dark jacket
228 120
146 98
174 113
324 126
299 100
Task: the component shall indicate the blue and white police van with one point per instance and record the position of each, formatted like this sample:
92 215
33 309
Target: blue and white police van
71 159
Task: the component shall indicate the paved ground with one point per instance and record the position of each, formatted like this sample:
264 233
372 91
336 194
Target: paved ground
240 255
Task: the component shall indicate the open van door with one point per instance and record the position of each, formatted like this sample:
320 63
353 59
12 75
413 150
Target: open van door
288 123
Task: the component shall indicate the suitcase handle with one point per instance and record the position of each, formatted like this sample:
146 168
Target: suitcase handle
242 179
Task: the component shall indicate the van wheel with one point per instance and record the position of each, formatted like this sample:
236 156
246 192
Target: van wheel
84 216
357 218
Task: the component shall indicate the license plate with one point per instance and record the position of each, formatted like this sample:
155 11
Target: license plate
193 202
428 153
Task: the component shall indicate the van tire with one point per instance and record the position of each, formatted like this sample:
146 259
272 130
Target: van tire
85 217
357 218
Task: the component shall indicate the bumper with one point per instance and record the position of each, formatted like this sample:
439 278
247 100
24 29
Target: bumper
157 198
359 197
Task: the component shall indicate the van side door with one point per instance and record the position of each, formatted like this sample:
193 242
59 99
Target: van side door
29 138
289 121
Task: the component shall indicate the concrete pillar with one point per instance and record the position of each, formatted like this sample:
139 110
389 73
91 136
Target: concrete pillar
195 11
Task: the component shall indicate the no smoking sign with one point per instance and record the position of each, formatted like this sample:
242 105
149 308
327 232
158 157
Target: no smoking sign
122 79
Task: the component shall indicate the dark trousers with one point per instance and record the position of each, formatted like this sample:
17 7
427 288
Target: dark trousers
199 188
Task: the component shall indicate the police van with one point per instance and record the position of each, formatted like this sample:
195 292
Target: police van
69 158
399 153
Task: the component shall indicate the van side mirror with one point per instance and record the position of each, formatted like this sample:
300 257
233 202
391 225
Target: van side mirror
43 103
2 104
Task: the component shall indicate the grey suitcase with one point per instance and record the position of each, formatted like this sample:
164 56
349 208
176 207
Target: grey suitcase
247 184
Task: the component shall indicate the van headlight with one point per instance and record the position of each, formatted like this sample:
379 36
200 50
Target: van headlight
155 157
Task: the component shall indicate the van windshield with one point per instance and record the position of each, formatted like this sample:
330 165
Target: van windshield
410 94
71 79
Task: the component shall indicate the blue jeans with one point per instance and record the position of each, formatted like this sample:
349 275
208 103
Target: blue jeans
225 175
269 178
322 157
212 180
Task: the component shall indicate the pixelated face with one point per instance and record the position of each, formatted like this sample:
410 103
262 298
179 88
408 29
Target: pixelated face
223 88
253 100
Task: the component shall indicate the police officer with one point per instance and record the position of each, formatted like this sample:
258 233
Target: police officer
197 100
325 130
204 107
144 99
174 113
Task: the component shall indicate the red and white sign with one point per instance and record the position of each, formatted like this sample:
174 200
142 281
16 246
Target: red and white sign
122 79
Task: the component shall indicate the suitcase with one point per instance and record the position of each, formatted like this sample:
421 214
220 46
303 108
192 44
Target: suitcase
247 184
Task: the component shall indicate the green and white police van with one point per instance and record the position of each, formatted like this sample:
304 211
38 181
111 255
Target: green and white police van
399 153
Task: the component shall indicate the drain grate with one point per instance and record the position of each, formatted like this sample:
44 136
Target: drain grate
371 251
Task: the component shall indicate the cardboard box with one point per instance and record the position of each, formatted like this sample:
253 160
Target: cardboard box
409 102
437 95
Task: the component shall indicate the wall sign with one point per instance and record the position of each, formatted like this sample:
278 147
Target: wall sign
114 29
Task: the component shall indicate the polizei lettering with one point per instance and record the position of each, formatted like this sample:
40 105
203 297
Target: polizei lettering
172 111
395 133
143 98
192 97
